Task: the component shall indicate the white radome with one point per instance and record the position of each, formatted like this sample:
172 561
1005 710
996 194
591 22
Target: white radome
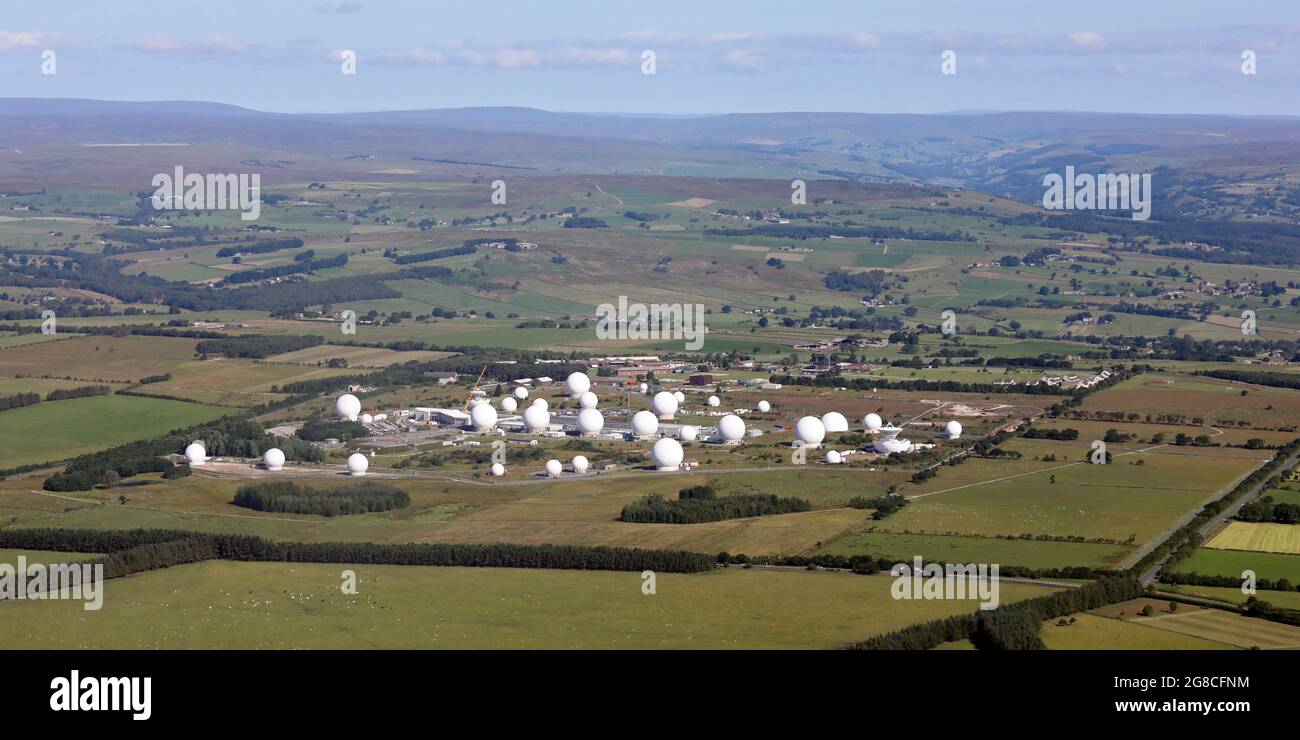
731 428
509 405
764 406
195 454
521 393
645 389
588 400
954 429
681 397
554 468
644 424
688 433
590 421
834 458
536 418
483 417
834 421
348 407
366 419
810 431
498 469
714 401
580 464
664 405
273 459
577 383
872 422
542 403
358 464
667 454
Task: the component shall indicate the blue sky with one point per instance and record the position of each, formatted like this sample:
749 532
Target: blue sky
713 56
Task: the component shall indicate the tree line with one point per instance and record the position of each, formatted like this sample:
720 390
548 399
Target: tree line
702 504
287 497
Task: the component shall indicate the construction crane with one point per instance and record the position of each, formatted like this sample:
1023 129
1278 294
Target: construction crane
471 390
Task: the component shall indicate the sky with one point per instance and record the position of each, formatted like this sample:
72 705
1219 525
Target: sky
710 56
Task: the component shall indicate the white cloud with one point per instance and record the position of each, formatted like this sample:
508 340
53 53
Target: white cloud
745 61
14 40
1086 40
518 58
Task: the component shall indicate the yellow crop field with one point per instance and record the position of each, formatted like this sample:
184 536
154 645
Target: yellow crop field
1258 537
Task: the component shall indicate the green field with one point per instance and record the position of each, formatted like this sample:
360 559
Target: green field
275 605
1232 562
58 430
952 549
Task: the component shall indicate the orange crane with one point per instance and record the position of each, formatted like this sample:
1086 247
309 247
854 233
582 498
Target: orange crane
471 390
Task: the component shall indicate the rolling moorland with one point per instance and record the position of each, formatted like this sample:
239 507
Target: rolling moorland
181 325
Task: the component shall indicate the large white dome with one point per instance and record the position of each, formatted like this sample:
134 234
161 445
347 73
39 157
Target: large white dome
714 401
195 454
667 454
542 403
273 459
954 429
580 464
834 421
554 468
498 469
834 458
644 424
664 405
509 405
358 463
688 433
577 383
483 416
681 397
521 393
588 400
536 418
590 421
764 406
872 422
348 407
731 428
366 419
810 431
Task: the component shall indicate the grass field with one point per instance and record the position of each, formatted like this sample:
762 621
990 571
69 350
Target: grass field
956 549
57 430
1258 537
1284 599
1232 562
1091 632
274 605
